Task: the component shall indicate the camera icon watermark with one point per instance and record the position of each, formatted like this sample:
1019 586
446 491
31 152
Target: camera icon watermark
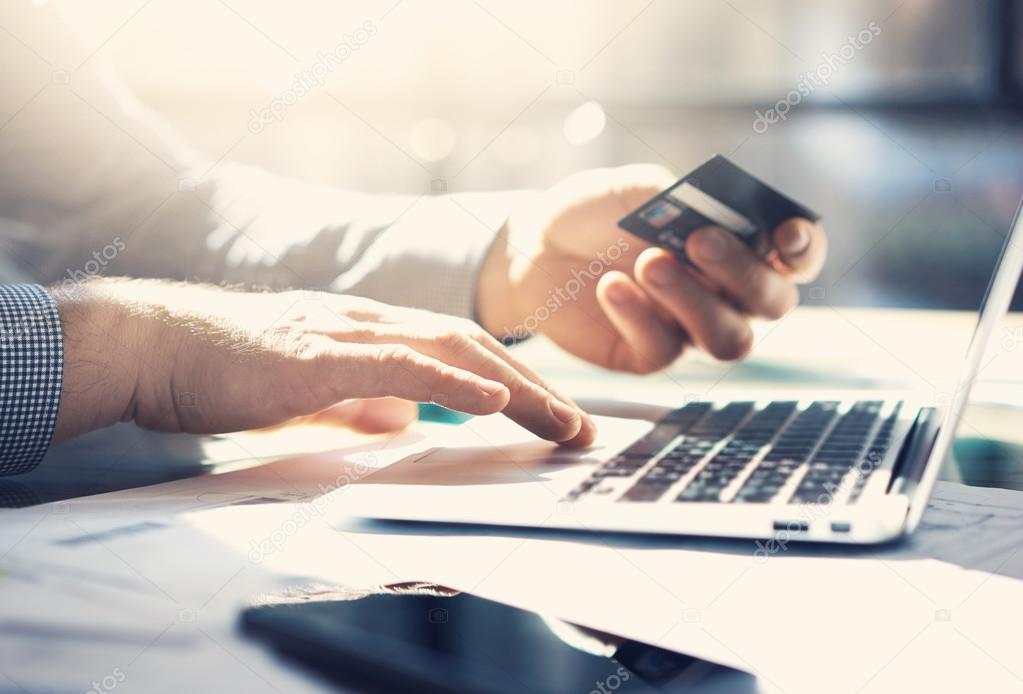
690 398
1012 337
943 615
438 615
61 77
817 293
942 185
564 77
692 615
187 615
438 185
187 399
187 185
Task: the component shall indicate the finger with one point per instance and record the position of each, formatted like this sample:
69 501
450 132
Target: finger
377 416
728 263
802 247
529 404
587 430
373 371
713 324
648 341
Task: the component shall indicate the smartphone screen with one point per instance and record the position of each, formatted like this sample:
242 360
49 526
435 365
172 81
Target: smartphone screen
451 644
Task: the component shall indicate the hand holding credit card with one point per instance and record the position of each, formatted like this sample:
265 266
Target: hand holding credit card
717 193
563 266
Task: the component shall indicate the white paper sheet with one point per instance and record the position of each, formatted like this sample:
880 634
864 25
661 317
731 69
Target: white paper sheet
938 612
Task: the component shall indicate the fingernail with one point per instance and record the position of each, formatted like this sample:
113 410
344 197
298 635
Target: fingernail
618 294
797 242
709 244
562 412
491 388
661 272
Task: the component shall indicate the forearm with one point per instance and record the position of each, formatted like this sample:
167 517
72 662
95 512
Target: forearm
103 340
126 340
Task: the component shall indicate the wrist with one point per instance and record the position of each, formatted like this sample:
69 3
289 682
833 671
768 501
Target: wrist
495 294
103 344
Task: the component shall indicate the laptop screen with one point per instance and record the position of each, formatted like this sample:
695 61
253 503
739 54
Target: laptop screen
993 308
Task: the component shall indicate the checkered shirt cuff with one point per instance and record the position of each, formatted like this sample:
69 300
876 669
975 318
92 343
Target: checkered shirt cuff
31 371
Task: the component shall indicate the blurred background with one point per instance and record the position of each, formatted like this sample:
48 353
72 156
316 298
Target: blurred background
897 120
901 117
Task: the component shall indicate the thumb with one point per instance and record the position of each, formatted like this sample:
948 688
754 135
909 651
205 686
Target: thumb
371 416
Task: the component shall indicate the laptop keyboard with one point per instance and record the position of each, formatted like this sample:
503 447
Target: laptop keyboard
741 454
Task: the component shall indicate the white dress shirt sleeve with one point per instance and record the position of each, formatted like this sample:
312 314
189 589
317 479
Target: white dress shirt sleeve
90 183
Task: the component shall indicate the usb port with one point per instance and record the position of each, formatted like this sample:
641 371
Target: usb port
841 527
792 526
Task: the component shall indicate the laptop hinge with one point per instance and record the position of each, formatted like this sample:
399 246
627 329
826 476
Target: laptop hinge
915 452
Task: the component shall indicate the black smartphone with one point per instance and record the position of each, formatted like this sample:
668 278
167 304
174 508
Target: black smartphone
461 643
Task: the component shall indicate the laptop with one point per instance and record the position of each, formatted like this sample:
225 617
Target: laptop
834 468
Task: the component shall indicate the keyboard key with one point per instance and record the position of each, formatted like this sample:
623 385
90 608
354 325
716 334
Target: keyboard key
614 472
796 436
644 491
701 492
790 450
837 455
687 416
662 475
655 440
875 454
746 443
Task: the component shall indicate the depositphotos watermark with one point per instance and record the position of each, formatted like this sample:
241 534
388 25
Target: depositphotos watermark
568 292
830 65
24 326
92 268
108 683
612 682
312 78
304 514
821 507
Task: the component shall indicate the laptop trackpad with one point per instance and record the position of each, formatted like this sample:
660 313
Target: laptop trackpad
482 465
520 460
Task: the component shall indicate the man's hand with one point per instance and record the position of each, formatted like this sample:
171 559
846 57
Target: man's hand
176 357
563 267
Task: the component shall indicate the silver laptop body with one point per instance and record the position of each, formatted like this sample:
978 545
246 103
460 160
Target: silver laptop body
850 468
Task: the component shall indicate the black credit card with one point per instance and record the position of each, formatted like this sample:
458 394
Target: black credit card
717 193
